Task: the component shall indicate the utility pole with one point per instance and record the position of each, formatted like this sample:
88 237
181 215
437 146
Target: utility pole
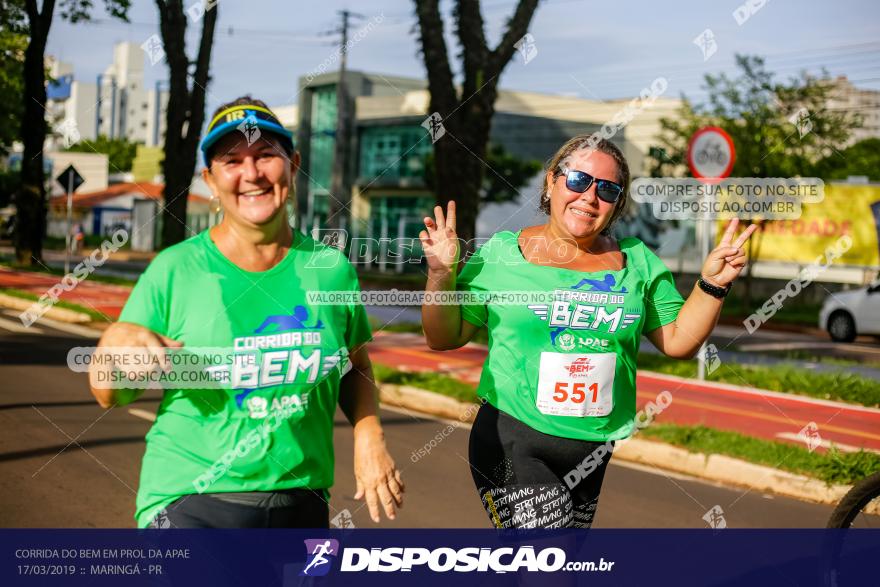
340 187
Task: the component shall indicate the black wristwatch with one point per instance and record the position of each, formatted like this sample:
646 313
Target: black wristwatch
713 290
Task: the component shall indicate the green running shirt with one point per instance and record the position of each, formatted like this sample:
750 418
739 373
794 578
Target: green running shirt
567 366
269 425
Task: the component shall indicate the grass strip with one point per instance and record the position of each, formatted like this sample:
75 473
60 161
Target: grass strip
93 314
8 262
833 466
429 381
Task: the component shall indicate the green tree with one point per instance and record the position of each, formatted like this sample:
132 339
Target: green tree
13 42
862 158
466 111
187 86
507 174
120 152
30 200
779 129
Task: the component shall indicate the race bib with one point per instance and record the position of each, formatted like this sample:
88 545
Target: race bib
580 385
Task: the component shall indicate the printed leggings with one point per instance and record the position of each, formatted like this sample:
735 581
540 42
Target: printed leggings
528 479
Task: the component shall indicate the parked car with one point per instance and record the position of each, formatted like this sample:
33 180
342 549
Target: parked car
849 313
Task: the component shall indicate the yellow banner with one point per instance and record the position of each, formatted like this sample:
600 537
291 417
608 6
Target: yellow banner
852 210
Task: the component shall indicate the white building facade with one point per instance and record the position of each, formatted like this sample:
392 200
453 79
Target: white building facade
117 104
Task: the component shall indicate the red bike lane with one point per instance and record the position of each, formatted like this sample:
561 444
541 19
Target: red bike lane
106 298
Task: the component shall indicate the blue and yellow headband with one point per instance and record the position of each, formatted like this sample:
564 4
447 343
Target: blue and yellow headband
232 118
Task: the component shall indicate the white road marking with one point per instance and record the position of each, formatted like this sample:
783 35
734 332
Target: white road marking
785 346
824 443
664 472
76 329
789 337
18 327
424 416
146 415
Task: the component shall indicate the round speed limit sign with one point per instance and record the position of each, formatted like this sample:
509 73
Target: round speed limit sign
710 153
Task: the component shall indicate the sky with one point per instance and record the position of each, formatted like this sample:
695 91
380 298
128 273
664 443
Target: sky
589 49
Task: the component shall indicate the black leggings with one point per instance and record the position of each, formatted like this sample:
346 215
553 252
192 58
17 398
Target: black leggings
528 479
290 508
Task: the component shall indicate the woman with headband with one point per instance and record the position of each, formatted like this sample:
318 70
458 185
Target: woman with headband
256 449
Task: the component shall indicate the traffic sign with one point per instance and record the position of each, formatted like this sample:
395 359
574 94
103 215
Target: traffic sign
710 156
70 179
710 153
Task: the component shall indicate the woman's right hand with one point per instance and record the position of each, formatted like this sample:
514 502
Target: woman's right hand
439 241
129 335
119 345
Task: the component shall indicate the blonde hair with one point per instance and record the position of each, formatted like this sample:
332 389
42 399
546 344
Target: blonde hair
585 141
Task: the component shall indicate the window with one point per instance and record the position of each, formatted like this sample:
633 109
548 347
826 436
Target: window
323 136
393 152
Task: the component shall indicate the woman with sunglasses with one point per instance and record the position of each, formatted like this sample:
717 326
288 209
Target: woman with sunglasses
559 382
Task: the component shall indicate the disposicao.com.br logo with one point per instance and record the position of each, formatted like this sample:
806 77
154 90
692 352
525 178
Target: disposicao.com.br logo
322 552
445 559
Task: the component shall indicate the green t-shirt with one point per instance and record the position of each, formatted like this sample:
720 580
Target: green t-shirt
269 424
566 365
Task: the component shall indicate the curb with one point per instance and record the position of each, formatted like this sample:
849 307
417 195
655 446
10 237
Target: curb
713 467
730 471
59 314
420 400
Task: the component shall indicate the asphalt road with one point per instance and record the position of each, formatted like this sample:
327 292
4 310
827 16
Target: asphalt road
65 462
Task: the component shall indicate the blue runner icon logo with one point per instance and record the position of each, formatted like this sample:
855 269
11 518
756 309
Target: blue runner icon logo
319 552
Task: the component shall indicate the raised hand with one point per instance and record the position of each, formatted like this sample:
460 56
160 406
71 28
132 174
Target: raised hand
726 261
439 241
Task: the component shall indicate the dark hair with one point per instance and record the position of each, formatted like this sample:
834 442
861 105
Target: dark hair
585 141
241 101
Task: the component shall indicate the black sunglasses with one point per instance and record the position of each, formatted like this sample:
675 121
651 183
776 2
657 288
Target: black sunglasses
580 181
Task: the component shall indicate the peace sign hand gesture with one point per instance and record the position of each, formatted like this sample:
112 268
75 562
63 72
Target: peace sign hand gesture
439 241
725 263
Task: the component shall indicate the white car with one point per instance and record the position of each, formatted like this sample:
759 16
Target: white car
848 313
